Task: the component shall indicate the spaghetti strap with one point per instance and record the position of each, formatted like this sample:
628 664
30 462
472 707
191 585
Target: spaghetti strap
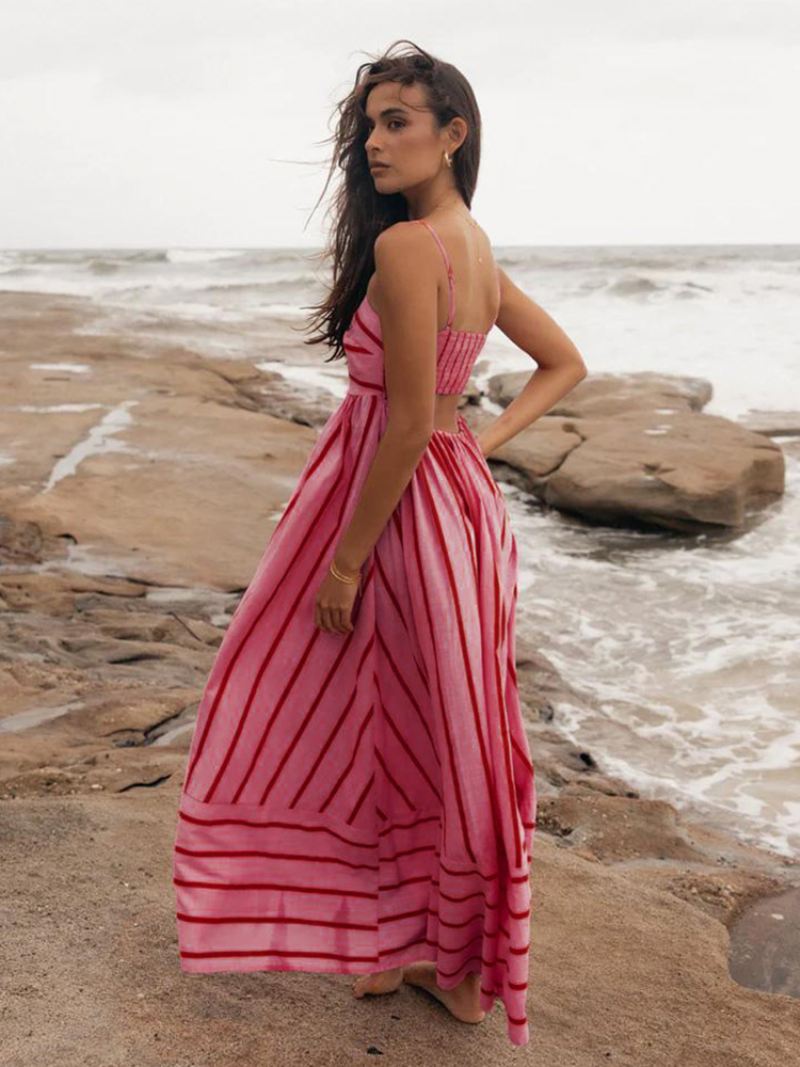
451 306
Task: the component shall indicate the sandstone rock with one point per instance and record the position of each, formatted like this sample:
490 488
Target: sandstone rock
609 394
772 423
626 458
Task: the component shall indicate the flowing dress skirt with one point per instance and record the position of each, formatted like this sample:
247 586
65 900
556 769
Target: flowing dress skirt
355 802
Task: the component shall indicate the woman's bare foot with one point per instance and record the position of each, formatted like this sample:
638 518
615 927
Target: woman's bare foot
382 982
463 1001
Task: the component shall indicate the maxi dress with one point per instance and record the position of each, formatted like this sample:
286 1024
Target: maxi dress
356 802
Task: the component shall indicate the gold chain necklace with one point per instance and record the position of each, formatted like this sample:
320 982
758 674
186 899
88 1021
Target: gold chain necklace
474 223
471 221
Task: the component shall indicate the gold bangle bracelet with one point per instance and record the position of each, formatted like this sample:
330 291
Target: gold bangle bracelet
344 577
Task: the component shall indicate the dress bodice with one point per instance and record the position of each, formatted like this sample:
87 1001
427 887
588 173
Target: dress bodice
456 350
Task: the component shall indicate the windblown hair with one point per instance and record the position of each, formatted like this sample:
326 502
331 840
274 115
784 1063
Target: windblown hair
359 212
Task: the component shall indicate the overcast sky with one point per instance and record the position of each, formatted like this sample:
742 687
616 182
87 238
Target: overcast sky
138 123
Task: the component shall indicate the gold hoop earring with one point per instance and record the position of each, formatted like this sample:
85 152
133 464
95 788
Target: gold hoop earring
447 159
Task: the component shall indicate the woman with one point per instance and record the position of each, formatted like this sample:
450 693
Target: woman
359 795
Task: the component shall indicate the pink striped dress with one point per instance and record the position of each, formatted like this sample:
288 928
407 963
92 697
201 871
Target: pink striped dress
355 802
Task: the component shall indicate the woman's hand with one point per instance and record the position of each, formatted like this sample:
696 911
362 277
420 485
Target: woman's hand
334 604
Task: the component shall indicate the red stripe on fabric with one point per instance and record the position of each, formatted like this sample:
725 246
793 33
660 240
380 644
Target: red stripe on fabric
454 360
512 668
454 477
220 920
361 799
409 752
404 881
244 715
482 467
233 886
500 626
449 356
459 900
301 542
479 915
316 634
390 777
458 949
431 941
462 965
442 364
270 823
238 953
524 756
402 683
425 941
486 877
402 915
373 336
301 661
441 447
499 636
407 825
326 746
362 382
424 483
454 779
519 914
477 893
464 363
408 852
394 521
345 645
350 763
302 857
275 644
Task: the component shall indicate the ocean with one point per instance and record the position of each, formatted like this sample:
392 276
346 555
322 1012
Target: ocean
686 649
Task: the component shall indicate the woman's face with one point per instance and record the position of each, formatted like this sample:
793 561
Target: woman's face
404 137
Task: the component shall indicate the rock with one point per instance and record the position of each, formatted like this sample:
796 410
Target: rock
765 944
623 458
614 828
772 423
610 394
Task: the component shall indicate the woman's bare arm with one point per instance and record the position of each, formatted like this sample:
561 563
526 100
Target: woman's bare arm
559 364
407 275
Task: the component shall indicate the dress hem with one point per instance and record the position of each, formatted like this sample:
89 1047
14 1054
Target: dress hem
518 1031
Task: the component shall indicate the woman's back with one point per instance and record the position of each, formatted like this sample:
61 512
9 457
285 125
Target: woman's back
467 257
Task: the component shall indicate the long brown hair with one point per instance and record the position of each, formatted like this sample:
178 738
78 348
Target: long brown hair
359 212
